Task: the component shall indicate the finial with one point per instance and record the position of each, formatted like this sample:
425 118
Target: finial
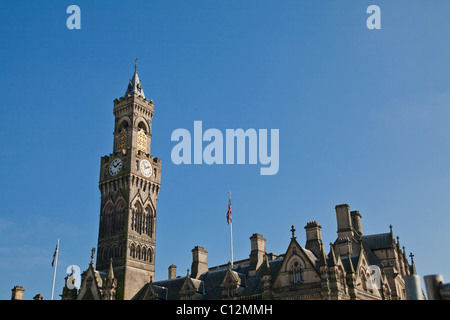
135 63
390 227
92 255
187 275
293 232
412 257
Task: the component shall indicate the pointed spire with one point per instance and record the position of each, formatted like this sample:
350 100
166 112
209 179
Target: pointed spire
413 266
323 256
350 264
134 86
392 235
92 256
110 275
332 256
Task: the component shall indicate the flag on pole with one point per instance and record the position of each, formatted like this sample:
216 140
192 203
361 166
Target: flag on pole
229 209
54 255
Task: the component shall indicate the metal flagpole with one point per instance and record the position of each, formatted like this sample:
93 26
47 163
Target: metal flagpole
231 243
56 264
231 229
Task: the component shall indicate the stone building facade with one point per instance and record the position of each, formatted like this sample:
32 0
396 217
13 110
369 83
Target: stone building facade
355 266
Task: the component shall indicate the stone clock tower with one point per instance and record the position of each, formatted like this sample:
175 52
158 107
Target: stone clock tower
130 180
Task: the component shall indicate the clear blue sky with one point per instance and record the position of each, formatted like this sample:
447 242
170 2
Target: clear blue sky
363 115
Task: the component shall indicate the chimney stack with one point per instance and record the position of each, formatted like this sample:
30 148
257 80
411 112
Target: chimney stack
344 221
17 293
356 221
38 297
199 264
172 271
258 249
313 237
344 246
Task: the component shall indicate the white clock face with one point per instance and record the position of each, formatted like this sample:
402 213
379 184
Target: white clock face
146 168
115 167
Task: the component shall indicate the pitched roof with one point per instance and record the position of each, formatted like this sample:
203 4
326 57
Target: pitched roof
378 241
209 282
134 86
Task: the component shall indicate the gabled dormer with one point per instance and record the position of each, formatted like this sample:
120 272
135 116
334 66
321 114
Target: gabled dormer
192 289
298 267
233 283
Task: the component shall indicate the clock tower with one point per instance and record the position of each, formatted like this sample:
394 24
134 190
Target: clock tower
130 180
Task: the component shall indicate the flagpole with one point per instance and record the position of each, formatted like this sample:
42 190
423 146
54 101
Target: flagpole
56 264
231 233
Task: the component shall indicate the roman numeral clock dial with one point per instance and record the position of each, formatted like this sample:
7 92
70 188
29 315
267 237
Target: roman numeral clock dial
146 168
115 167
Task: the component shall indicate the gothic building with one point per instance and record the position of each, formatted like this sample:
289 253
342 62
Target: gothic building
355 266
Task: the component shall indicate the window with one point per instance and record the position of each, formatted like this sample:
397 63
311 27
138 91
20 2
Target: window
297 273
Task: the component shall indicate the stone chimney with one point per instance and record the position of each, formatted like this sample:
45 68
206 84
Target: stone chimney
344 221
344 246
258 249
38 297
199 264
17 293
356 221
172 271
313 237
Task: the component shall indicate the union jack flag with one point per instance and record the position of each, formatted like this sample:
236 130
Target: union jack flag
229 209
54 255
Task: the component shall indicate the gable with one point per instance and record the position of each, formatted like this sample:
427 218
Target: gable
91 283
298 266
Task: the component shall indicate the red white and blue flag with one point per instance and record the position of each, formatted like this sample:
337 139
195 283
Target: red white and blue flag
229 210
54 255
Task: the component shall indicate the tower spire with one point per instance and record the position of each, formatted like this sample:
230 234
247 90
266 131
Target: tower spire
134 85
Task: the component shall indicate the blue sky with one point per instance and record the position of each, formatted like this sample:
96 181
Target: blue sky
363 118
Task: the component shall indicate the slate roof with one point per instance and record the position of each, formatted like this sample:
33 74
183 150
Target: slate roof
134 86
211 281
378 241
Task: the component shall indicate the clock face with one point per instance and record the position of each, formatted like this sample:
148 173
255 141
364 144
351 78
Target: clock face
115 167
146 168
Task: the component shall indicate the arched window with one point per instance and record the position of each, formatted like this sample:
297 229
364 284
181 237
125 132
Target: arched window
138 253
150 255
136 223
120 214
149 221
296 273
142 126
144 254
133 251
123 125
